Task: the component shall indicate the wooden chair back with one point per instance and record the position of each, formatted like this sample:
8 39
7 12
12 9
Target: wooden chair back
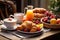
7 8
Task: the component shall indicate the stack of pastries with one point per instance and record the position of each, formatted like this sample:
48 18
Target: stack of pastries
28 26
39 12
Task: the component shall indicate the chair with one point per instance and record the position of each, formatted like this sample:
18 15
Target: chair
7 8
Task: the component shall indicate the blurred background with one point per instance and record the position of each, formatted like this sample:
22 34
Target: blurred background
21 4
8 7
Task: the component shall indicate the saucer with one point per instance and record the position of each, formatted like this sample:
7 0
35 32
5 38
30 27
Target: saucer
5 28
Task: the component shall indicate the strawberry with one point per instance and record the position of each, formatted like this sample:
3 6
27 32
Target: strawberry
38 28
25 30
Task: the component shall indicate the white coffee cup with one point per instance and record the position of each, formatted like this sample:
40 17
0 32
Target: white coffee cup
10 23
18 17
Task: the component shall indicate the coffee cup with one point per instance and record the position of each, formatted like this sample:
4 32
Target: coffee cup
10 23
18 17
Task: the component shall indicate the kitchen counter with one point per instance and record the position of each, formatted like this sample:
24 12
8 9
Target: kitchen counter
10 36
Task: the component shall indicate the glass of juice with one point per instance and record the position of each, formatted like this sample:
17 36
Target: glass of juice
29 15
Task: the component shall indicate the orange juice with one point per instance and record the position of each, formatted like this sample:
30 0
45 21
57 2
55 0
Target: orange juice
24 18
29 14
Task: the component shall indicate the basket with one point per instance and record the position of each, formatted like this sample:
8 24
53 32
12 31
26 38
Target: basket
51 26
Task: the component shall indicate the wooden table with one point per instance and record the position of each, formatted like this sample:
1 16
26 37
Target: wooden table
9 36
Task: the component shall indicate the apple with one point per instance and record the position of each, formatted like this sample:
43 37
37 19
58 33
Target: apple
58 21
50 13
46 13
45 19
52 16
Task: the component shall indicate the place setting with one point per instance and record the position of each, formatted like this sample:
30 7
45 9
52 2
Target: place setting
35 22
29 20
18 26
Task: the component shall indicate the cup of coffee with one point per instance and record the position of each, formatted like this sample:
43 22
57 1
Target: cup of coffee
18 17
10 23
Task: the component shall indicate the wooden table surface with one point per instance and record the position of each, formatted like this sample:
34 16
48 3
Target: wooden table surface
8 36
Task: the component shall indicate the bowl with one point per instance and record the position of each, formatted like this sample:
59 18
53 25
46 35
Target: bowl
10 23
51 26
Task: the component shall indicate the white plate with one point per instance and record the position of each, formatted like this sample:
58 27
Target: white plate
4 27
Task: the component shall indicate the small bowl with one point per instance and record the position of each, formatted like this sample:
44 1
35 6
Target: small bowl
10 24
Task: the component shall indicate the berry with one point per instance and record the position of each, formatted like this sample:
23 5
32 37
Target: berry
45 19
48 18
25 30
48 21
37 21
38 28
46 13
52 16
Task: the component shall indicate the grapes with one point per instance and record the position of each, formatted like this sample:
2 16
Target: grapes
48 21
49 18
36 20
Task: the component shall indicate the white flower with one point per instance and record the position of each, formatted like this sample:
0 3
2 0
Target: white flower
56 8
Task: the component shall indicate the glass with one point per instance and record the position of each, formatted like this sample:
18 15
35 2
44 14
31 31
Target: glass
29 14
30 7
19 17
27 8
